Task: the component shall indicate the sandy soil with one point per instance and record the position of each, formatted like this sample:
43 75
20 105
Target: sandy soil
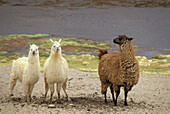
150 95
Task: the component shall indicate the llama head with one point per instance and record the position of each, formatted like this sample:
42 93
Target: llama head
56 47
122 39
33 50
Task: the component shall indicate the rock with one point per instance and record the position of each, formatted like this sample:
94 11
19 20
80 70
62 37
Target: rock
88 109
85 63
43 105
3 61
34 97
22 105
51 106
96 93
34 105
72 105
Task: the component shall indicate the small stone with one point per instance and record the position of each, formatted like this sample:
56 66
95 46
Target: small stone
22 105
71 104
4 60
34 97
96 93
85 63
88 109
43 105
33 105
51 106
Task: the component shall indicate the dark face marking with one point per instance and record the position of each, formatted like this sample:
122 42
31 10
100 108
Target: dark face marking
121 39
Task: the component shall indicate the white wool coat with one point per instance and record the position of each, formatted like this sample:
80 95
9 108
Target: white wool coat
56 69
31 72
27 72
18 68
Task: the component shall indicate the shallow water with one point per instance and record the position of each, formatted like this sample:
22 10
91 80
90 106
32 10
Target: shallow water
148 26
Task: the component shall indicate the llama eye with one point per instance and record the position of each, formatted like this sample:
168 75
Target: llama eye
36 49
53 46
31 49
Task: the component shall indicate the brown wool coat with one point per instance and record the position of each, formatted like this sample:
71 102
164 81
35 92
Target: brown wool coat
118 68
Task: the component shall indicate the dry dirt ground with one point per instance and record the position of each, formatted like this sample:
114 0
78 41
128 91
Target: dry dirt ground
150 95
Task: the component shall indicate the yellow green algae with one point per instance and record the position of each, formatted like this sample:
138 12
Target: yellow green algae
86 62
9 44
16 36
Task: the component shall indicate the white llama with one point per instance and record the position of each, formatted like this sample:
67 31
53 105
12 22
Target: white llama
56 71
27 71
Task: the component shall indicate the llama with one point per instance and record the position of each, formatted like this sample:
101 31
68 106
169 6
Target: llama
56 71
27 71
118 69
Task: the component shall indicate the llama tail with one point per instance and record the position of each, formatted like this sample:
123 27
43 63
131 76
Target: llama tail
102 52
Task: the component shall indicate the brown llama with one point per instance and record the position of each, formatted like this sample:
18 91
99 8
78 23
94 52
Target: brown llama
118 69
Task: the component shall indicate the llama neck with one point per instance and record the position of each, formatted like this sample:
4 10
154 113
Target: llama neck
57 55
127 63
33 59
127 53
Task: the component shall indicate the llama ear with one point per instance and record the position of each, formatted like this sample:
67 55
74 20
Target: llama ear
59 41
30 45
37 47
51 41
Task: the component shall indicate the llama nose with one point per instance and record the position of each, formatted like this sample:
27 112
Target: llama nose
33 52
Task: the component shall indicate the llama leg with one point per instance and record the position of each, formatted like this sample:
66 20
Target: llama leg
51 86
111 89
30 91
58 91
46 87
104 87
104 91
64 88
105 96
12 85
117 94
126 92
26 90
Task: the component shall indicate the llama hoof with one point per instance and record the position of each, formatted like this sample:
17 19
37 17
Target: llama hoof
68 99
105 102
30 100
59 102
126 104
28 103
51 102
43 100
26 100
115 103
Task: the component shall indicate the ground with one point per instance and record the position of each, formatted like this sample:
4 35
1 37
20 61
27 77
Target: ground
150 95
